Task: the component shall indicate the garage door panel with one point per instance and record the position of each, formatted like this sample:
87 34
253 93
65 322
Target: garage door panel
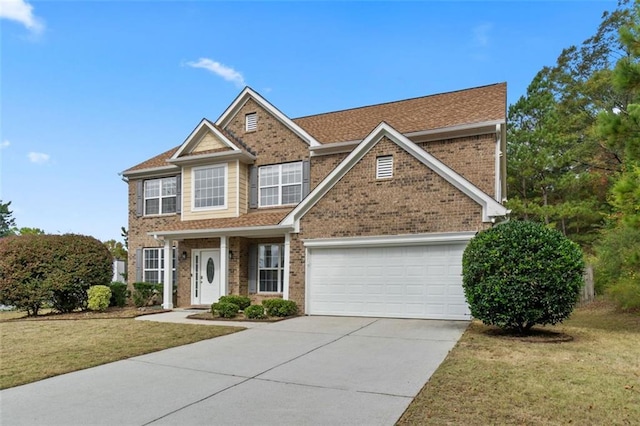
405 282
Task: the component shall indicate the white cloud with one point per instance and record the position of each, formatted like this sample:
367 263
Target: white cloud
38 157
217 68
4 144
22 12
481 34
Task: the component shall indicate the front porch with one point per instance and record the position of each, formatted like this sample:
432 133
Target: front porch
254 264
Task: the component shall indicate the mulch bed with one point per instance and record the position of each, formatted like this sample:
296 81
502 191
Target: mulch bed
110 313
240 317
535 335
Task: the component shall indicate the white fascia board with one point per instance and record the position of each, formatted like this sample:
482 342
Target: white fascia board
244 96
151 172
490 207
392 240
245 157
196 134
461 130
245 231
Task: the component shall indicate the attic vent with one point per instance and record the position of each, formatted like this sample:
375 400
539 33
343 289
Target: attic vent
384 167
251 122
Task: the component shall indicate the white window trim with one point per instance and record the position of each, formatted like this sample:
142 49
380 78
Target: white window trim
159 269
226 188
384 167
280 185
251 122
280 269
159 197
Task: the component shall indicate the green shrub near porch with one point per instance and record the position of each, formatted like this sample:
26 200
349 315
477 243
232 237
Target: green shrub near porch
225 309
280 307
243 302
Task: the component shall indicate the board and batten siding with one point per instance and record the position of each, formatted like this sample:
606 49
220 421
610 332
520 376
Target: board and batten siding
232 196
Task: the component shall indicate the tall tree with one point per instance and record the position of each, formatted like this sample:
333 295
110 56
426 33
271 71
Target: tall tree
30 231
7 222
117 249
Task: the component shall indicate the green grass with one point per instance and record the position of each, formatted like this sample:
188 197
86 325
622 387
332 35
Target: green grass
491 379
32 350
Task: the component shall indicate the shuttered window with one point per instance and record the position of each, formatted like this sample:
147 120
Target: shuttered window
153 265
280 184
251 122
160 196
384 167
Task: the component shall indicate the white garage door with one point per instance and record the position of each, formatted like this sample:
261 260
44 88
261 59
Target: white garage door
400 282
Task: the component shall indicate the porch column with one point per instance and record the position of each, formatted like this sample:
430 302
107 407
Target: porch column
167 295
224 266
287 257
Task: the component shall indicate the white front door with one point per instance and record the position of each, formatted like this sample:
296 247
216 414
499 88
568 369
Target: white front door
205 287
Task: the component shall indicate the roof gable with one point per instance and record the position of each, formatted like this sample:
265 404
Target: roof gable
463 107
490 207
204 138
249 93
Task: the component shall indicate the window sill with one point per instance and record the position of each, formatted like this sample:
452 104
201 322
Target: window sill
160 215
208 209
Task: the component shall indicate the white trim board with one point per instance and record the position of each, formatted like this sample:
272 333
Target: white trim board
392 240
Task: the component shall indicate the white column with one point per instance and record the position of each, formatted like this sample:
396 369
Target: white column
287 258
167 295
224 266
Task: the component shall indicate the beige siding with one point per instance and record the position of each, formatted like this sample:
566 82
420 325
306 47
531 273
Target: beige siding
243 187
208 142
232 196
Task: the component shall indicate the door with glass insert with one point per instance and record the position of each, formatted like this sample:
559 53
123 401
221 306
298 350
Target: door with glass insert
206 277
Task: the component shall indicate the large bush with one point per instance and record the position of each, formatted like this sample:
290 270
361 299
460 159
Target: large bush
56 269
519 274
145 294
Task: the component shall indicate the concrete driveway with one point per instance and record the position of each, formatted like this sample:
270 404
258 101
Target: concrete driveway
302 371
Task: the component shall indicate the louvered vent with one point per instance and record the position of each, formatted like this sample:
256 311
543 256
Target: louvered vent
384 167
251 122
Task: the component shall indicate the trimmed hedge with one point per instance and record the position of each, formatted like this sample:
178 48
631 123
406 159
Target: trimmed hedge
255 312
243 302
225 309
99 296
119 294
280 307
51 269
144 293
519 274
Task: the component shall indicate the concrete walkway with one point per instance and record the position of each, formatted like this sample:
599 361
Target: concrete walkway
302 371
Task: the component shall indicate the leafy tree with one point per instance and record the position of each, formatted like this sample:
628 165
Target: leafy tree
519 274
117 249
7 222
30 231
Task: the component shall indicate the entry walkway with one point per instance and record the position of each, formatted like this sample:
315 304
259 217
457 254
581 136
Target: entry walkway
302 371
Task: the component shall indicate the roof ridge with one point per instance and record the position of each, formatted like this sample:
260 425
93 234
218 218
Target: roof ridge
401 100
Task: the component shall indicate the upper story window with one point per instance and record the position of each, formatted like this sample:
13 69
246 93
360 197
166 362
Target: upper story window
280 184
210 187
160 195
251 122
384 167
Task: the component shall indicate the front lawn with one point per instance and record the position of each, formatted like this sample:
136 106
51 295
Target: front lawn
34 349
489 379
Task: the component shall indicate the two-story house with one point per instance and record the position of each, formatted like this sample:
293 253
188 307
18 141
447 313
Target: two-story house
362 212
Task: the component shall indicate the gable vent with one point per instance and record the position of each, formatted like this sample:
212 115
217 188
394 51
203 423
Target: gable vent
384 167
251 122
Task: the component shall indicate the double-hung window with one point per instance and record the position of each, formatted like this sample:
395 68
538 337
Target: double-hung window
160 195
270 268
153 265
209 187
280 184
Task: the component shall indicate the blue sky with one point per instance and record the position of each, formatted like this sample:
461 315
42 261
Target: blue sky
89 89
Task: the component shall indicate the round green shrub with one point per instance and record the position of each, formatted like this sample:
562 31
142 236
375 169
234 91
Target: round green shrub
225 309
280 307
255 312
518 274
242 301
99 296
119 294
